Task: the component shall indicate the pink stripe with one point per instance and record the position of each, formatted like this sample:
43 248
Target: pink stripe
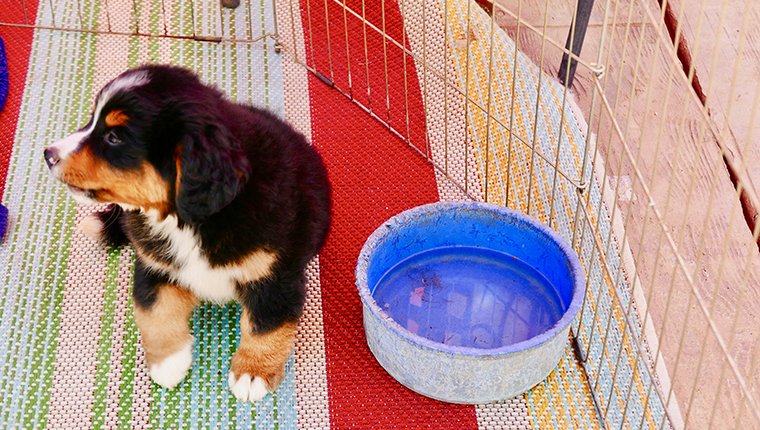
311 375
71 396
121 309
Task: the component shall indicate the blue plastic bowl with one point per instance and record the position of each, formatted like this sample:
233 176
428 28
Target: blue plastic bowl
468 302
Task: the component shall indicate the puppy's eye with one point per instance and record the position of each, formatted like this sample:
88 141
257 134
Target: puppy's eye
112 139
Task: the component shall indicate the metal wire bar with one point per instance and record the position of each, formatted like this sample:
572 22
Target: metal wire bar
23 9
140 34
446 98
681 265
537 108
293 32
467 93
311 35
385 63
755 361
742 42
609 238
598 246
513 97
406 51
52 15
628 216
584 165
276 34
329 43
366 55
679 349
561 125
561 46
79 13
348 51
163 16
603 185
439 74
108 16
488 102
424 76
406 92
709 210
658 140
398 134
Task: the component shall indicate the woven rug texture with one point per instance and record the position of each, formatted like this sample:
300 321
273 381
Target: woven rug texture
70 355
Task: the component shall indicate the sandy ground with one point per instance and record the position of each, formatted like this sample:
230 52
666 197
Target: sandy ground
695 257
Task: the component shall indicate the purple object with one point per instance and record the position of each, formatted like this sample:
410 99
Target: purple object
4 84
3 220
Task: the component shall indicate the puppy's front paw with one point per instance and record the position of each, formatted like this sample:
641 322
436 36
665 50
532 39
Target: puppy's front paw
172 369
246 389
92 227
252 377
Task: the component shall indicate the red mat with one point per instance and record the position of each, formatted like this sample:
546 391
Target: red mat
18 45
374 178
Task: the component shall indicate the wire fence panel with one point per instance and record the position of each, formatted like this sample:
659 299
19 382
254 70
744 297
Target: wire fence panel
647 164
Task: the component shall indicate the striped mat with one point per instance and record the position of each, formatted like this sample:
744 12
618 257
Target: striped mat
69 349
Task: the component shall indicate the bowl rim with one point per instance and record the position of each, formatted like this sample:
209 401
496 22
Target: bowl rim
559 327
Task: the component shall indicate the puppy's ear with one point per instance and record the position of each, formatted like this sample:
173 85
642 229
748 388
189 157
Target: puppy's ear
211 170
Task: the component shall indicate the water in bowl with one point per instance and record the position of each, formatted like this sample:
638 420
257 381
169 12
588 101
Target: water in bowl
469 296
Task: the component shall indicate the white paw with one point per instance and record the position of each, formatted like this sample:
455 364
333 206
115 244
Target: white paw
92 227
246 390
169 372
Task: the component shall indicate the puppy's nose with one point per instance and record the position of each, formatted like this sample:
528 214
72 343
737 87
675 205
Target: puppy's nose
51 157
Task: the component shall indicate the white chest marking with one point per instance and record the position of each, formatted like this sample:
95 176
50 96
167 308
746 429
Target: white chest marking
211 283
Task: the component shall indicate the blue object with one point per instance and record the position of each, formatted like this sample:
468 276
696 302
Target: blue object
468 302
3 97
4 84
3 220
469 296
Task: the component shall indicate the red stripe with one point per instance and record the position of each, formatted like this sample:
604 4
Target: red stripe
18 47
375 175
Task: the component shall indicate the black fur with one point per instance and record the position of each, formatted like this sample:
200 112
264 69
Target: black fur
111 218
146 283
247 181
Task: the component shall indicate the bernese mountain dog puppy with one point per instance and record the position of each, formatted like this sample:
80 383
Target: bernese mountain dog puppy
221 201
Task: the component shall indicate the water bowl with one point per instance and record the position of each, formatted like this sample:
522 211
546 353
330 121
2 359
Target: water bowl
468 302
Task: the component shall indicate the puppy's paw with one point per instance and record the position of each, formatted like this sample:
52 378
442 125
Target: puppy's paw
92 227
248 389
172 369
251 378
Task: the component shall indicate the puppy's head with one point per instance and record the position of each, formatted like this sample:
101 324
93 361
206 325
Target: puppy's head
157 140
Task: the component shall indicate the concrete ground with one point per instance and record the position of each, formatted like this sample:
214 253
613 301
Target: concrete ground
696 259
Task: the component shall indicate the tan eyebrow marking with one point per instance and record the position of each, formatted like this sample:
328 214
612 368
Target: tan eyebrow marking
116 118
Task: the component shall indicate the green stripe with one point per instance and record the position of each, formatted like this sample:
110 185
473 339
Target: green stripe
128 363
46 338
43 365
15 171
233 341
266 57
130 339
105 340
274 411
155 28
